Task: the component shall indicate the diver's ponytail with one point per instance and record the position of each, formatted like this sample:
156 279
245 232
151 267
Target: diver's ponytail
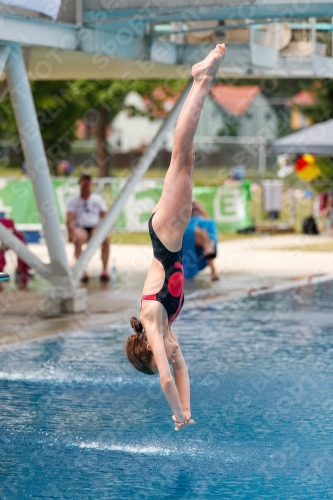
136 325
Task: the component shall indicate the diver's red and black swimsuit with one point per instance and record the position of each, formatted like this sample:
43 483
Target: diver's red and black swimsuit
171 295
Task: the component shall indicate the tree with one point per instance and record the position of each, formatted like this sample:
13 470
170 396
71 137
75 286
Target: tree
8 131
57 107
322 109
104 99
60 104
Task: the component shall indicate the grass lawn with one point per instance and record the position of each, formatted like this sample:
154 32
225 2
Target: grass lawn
119 238
122 238
11 171
208 176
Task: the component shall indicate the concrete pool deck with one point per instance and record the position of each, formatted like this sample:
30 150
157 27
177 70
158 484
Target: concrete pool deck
244 265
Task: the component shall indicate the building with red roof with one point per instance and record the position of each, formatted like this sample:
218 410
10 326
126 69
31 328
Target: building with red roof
229 110
240 110
235 99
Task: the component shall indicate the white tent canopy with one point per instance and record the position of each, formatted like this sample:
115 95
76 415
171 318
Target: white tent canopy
50 8
316 140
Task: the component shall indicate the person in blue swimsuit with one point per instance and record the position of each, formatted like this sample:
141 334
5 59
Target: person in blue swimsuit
154 345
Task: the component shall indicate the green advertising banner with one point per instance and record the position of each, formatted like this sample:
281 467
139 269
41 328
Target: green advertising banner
227 205
17 199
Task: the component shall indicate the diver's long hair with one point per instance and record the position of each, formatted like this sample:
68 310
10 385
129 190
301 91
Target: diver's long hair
136 348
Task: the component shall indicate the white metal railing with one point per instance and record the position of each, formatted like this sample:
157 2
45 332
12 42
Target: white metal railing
71 11
247 142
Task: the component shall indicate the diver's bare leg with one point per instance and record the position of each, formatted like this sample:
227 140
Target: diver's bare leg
174 208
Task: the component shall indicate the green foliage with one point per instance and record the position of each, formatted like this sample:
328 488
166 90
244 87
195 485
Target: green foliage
111 94
322 109
8 131
325 181
57 110
60 104
229 129
103 100
58 107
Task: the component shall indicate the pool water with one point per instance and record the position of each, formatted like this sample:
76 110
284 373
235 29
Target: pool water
77 422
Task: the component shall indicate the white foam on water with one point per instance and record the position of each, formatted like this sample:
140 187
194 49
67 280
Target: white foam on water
186 451
57 377
192 451
149 450
43 376
28 377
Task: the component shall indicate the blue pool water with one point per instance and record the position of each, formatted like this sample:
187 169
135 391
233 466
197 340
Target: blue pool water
77 422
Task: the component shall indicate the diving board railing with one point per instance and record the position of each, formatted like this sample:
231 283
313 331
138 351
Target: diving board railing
273 38
305 46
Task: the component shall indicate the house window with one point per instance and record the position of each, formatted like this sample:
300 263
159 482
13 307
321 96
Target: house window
248 115
268 116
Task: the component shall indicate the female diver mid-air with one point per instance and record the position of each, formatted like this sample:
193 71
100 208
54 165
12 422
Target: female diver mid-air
154 344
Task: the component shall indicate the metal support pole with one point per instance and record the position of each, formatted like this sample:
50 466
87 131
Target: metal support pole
332 39
262 158
79 12
292 217
252 33
4 52
3 90
313 34
12 242
277 35
34 153
144 163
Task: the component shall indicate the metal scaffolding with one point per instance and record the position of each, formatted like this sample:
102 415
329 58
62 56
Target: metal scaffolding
58 272
84 27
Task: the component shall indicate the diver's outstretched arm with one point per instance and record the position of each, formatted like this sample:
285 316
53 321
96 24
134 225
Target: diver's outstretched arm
182 379
167 382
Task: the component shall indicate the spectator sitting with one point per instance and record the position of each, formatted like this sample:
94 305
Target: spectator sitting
22 271
236 176
200 243
326 209
84 213
64 167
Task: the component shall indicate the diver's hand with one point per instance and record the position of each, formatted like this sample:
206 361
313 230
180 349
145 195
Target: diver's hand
180 425
187 419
